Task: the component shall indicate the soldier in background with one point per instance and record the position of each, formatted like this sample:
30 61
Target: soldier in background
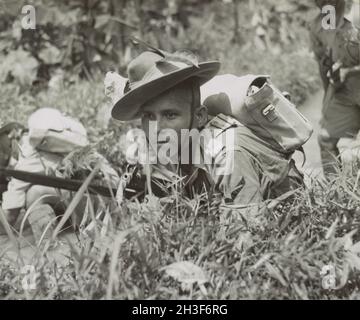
338 55
51 137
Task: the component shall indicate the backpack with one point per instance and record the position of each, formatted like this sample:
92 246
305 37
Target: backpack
51 131
257 104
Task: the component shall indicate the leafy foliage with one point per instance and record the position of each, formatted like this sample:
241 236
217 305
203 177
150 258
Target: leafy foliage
211 255
83 37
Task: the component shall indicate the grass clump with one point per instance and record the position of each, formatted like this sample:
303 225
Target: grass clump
124 255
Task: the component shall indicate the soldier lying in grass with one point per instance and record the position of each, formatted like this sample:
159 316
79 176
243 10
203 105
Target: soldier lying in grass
163 91
51 139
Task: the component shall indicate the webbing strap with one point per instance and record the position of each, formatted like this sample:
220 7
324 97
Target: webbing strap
301 149
195 100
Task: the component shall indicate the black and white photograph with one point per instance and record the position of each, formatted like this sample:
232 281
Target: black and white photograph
199 151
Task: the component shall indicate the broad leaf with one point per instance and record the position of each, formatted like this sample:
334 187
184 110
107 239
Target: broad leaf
21 65
50 54
186 272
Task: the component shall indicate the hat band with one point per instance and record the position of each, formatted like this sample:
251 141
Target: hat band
160 69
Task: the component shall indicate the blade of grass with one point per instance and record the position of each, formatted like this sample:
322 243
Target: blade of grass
29 210
10 234
76 200
119 240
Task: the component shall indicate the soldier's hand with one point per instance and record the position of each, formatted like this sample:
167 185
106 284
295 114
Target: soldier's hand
333 78
335 75
334 71
343 74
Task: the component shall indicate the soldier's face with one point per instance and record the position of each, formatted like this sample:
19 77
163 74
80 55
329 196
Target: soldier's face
172 112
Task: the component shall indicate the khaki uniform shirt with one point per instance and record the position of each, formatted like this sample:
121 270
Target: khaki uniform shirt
248 171
30 160
340 112
33 160
236 164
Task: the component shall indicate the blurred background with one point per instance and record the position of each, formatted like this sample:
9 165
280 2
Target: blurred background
84 37
62 62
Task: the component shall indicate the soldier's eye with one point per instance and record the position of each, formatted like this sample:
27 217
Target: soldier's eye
170 115
147 115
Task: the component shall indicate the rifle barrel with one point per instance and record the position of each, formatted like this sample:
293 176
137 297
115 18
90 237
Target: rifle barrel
55 182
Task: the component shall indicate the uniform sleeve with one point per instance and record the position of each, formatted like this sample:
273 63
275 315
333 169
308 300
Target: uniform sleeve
240 186
240 183
352 48
15 196
320 53
30 161
316 45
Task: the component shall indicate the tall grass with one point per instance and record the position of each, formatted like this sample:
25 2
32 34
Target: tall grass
280 256
127 250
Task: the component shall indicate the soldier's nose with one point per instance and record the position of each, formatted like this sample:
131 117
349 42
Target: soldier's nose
161 124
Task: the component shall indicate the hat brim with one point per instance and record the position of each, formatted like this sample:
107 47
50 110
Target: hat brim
128 107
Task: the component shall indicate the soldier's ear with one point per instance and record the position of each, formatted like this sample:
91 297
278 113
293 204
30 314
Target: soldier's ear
201 116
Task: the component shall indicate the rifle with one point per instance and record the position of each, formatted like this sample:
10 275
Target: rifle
55 182
135 188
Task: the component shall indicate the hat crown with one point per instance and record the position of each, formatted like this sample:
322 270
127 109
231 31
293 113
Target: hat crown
149 65
141 65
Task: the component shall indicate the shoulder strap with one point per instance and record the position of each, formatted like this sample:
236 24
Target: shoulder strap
301 149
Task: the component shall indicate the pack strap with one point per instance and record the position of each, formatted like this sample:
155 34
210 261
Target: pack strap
301 149
195 101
